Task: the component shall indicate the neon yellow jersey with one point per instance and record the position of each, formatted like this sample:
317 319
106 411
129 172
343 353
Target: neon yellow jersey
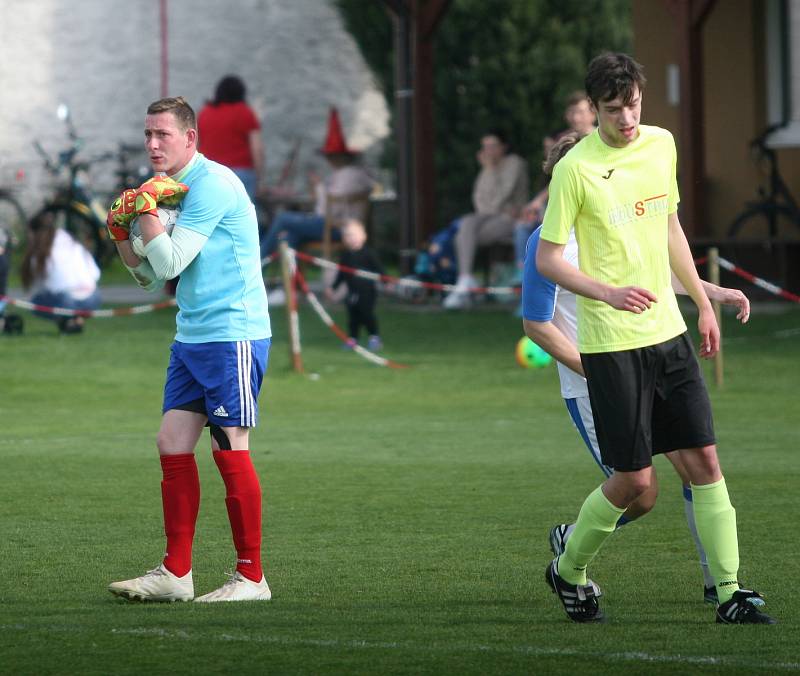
618 200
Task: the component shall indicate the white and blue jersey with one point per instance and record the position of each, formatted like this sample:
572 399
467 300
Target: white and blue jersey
544 301
221 294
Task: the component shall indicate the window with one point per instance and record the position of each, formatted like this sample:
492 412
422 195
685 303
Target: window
783 71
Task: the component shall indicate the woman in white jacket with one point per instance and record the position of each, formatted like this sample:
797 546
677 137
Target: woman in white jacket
59 272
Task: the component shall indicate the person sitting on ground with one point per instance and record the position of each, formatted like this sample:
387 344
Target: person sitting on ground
5 256
9 324
60 272
346 180
229 133
361 292
498 195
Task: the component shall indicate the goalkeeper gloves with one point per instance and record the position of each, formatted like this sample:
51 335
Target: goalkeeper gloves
159 190
144 200
120 216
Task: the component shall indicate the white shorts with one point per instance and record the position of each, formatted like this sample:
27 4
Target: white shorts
580 410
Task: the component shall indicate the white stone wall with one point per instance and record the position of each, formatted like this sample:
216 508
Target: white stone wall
102 58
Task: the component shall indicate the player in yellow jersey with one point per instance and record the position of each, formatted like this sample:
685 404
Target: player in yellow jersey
618 188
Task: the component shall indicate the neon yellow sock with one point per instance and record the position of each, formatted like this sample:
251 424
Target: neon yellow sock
715 518
596 521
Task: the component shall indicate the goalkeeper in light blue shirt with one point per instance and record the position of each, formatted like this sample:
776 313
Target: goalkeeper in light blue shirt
220 351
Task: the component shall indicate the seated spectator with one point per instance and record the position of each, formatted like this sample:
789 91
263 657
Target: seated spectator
440 255
229 133
498 195
580 117
59 272
346 179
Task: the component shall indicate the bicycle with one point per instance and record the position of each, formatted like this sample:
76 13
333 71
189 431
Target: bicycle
74 206
775 215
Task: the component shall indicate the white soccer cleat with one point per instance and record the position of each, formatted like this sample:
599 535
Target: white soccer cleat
155 585
238 588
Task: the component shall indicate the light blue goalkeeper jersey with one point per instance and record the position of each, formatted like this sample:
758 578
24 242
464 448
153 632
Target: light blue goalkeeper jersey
221 294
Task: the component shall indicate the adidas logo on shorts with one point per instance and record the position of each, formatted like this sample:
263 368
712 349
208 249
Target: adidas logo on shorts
220 412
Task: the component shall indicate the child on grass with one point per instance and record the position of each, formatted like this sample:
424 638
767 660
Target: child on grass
361 292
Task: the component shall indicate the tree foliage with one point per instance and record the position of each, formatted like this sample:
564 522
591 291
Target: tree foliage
507 64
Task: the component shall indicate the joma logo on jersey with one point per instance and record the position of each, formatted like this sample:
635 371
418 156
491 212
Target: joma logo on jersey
647 208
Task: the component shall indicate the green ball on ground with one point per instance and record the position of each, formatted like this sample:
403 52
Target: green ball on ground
530 355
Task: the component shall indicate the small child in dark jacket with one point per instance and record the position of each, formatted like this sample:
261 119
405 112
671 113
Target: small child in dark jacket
361 292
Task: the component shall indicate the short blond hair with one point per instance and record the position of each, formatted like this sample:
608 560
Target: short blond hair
180 109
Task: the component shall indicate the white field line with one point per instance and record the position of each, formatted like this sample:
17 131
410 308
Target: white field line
533 651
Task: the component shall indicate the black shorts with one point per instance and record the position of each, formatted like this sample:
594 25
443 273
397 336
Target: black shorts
647 401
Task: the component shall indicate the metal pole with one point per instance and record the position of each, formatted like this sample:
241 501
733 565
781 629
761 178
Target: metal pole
162 11
404 104
713 277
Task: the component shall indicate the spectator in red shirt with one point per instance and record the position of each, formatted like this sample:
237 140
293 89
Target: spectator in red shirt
230 133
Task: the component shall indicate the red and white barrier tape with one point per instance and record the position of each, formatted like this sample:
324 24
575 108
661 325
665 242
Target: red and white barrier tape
758 281
321 262
103 314
399 281
328 321
402 281
112 312
268 259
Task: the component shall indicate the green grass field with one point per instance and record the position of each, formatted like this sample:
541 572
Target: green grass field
406 511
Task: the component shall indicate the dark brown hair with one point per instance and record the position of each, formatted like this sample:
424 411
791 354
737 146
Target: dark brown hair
230 89
575 98
560 148
39 244
613 75
180 109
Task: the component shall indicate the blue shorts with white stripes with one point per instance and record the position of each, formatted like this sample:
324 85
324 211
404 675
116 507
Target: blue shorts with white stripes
226 377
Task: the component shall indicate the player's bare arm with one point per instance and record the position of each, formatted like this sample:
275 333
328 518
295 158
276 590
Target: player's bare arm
721 294
550 261
550 338
151 227
126 254
682 264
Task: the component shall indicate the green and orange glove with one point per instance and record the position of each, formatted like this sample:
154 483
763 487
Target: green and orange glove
158 190
121 215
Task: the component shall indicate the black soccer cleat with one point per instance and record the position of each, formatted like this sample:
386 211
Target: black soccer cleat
710 596
743 608
580 601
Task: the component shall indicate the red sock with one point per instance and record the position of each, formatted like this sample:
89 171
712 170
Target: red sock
180 496
244 509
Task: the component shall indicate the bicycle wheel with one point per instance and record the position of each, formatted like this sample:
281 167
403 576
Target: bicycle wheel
82 227
753 224
12 218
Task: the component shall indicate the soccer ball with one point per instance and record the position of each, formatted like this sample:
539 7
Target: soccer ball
168 217
530 355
